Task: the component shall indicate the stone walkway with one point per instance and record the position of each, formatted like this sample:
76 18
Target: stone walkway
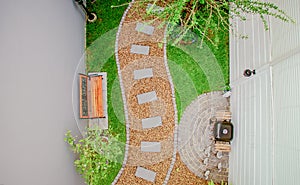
149 100
195 144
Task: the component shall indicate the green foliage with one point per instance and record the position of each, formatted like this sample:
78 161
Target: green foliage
98 152
188 78
103 32
211 182
261 8
220 50
222 183
208 17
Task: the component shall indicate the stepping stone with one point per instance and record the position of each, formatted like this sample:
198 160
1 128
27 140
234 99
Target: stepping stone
151 122
150 146
146 97
144 28
142 73
145 174
138 49
154 8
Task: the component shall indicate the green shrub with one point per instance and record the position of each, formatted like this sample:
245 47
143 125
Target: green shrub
208 17
97 152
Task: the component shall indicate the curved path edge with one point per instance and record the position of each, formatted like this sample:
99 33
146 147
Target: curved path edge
175 109
123 95
125 102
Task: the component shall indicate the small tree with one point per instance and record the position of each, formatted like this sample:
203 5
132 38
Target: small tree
97 152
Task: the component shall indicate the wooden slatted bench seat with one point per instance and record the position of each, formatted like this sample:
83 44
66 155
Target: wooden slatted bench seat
91 96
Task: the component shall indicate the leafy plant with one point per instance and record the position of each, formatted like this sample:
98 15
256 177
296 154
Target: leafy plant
211 182
98 152
176 33
208 17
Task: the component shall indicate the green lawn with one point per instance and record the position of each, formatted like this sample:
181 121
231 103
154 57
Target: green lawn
197 70
100 40
108 18
188 78
116 122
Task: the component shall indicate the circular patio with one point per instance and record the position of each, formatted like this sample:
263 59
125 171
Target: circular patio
195 138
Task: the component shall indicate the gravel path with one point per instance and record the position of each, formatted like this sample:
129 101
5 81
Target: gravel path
137 50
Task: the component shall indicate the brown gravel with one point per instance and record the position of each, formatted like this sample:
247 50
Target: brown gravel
138 11
128 178
127 58
182 175
158 162
130 35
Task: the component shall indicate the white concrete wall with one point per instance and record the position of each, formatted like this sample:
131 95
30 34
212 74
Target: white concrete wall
41 43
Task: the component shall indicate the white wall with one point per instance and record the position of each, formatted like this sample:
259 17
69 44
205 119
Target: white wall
250 161
286 87
41 42
266 106
250 53
286 36
251 104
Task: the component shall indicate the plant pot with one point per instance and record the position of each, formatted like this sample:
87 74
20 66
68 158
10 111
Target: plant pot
92 17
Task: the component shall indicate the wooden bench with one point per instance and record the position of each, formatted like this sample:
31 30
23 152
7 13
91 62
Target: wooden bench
91 96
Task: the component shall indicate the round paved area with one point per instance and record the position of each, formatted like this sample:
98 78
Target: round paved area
195 144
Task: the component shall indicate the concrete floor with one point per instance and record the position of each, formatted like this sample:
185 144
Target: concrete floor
41 43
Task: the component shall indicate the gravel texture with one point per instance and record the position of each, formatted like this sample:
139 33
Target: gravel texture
182 175
164 106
